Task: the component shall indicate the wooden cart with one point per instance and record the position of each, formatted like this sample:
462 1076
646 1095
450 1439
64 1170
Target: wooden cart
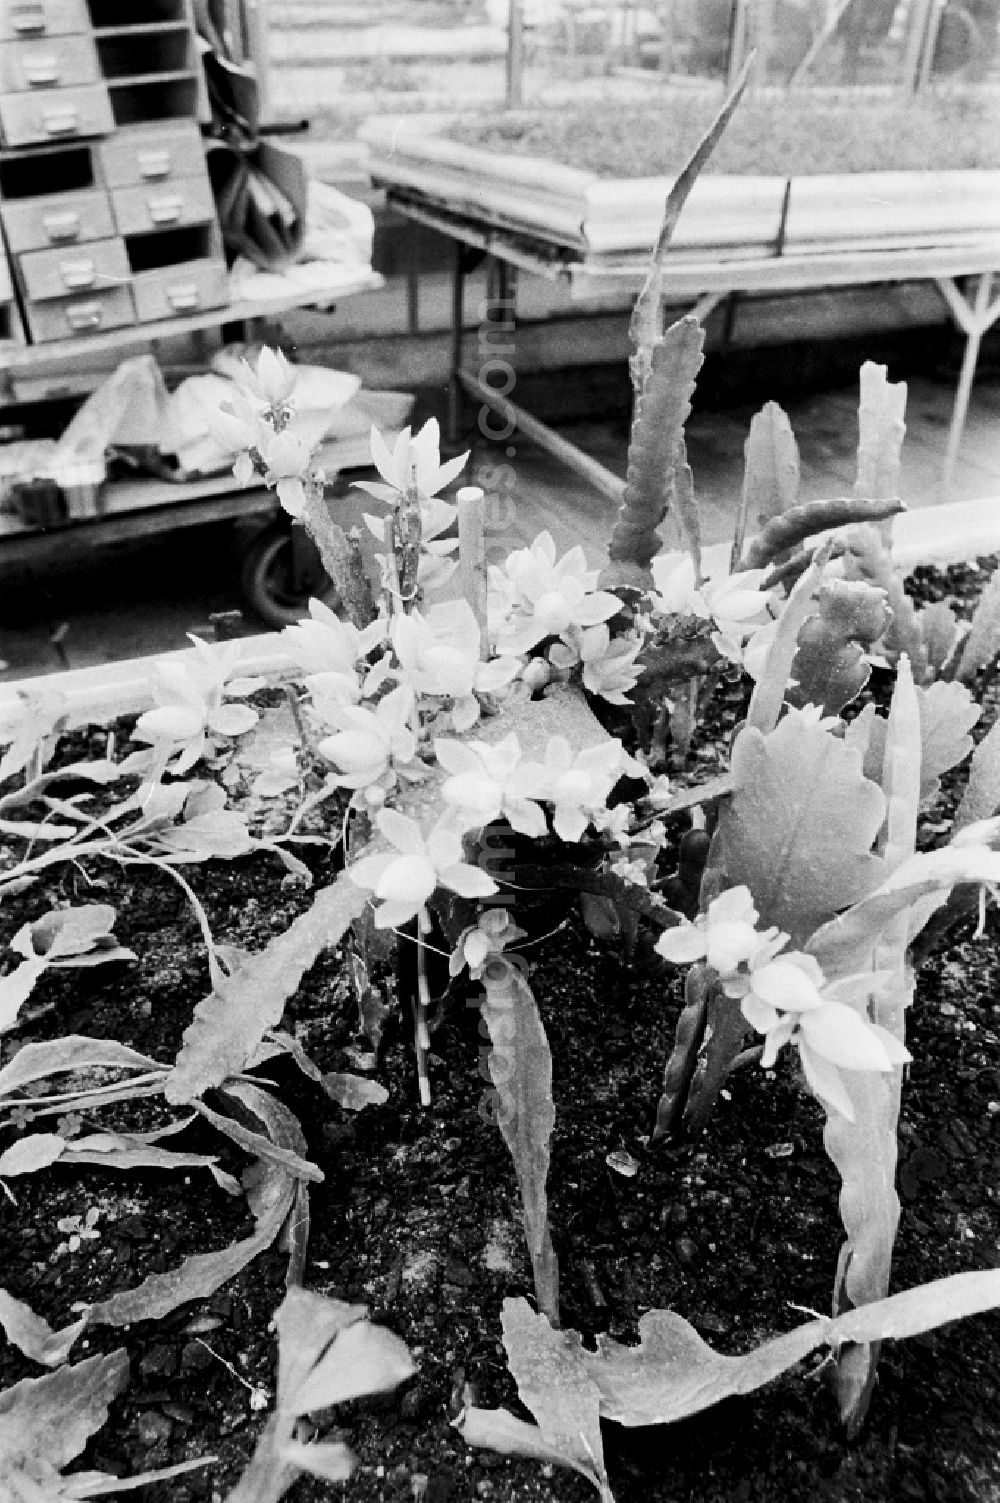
279 569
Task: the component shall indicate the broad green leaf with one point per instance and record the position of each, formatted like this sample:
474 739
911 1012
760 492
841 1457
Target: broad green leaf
55 1416
36 1151
799 827
981 798
327 1353
260 1146
73 1053
229 1024
361 1359
72 931
33 1335
102 1485
673 1373
983 641
43 714
331 1460
550 1369
354 1092
15 989
947 714
866 557
499 1430
113 1151
520 1066
199 1276
831 666
307 1326
843 945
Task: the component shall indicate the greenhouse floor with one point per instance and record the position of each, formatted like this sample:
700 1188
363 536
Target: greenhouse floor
132 600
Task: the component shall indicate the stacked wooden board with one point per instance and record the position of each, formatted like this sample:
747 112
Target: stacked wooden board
106 207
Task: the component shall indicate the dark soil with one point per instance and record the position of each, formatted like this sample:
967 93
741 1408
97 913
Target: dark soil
418 1217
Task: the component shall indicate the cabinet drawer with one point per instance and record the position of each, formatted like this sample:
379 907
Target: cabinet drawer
54 62
84 269
55 114
183 201
42 18
59 219
173 291
74 317
140 154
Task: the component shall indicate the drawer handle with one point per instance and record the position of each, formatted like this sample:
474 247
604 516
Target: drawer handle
28 19
62 226
41 69
166 210
84 316
183 299
62 122
153 164
78 274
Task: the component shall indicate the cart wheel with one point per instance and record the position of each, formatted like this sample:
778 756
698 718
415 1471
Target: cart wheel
281 573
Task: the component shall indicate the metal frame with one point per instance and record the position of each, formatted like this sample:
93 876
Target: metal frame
706 284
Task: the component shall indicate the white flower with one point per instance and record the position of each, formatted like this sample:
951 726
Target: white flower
403 882
417 458
189 694
488 783
577 784
733 601
323 643
477 944
725 936
287 456
437 653
674 580
609 668
538 597
788 1000
370 745
272 382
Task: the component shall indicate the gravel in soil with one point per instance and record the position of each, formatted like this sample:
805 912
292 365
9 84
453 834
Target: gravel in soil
418 1217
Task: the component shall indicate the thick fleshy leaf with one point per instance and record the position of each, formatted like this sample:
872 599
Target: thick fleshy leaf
499 1430
16 988
354 1092
201 1275
169 723
800 825
947 714
55 1416
229 1025
981 799
520 1066
361 1359
233 720
37 1151
553 1380
73 1053
331 1460
772 680
34 1336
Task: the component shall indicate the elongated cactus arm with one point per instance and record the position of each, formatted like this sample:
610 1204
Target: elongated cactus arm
792 527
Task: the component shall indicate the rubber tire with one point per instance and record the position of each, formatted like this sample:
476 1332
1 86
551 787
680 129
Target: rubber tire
265 578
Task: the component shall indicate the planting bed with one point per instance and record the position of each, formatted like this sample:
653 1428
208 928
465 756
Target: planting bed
418 1214
804 135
